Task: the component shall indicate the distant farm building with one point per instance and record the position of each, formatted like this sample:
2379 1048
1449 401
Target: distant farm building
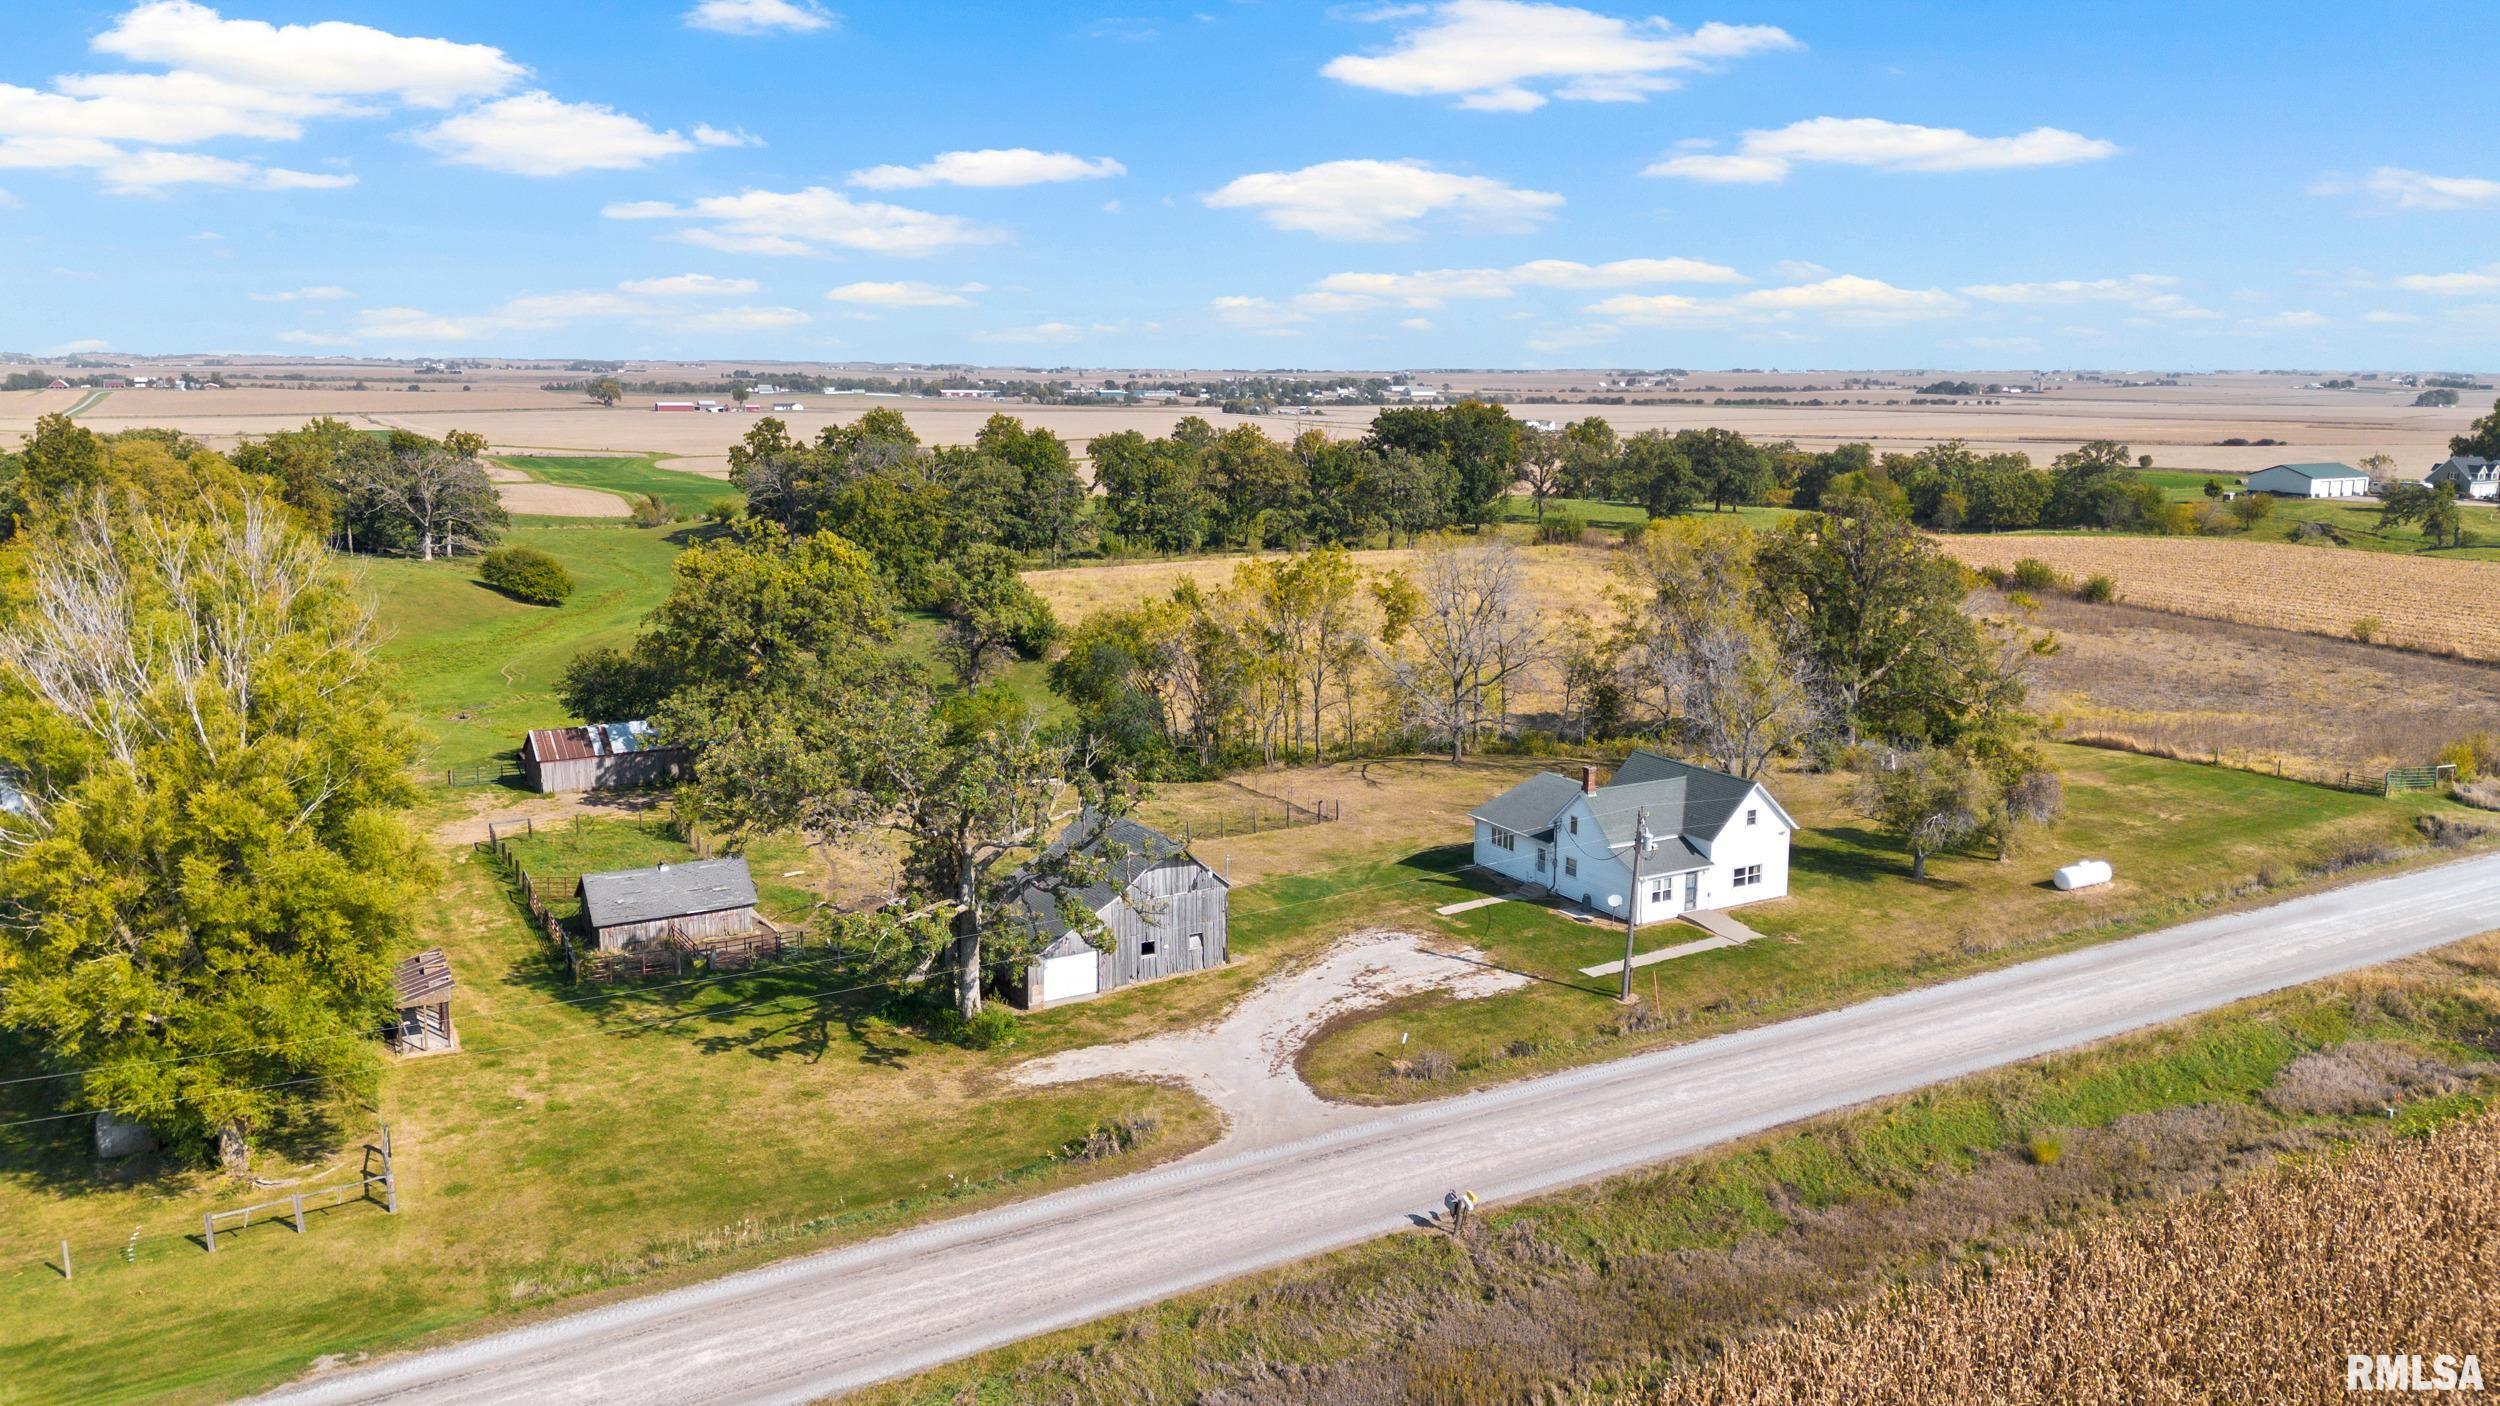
1161 910
2311 481
598 757
687 904
683 406
788 405
967 393
2472 476
424 1000
1715 840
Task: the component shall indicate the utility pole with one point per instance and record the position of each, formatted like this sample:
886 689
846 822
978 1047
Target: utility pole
1632 905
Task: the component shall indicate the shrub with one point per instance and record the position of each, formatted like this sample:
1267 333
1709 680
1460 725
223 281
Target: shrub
2448 832
1113 1138
2098 589
2033 574
2465 758
724 510
649 511
995 1028
1561 529
1431 1066
2366 629
2044 1149
526 574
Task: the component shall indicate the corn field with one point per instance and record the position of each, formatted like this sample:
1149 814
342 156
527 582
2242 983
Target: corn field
2253 1294
2414 601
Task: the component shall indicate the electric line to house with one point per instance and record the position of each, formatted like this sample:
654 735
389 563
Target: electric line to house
612 994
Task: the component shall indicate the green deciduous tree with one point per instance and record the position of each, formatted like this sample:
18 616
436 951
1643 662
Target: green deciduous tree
1929 798
200 902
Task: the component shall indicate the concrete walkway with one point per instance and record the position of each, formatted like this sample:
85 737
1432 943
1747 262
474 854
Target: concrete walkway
1724 932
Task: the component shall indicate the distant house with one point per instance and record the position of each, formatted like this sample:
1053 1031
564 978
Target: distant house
2473 477
2311 481
691 903
424 988
1716 840
966 393
58 384
1164 913
597 757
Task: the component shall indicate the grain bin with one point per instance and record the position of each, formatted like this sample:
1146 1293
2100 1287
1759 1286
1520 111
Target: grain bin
2083 874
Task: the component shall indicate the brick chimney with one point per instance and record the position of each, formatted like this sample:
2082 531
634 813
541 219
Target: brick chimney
1588 780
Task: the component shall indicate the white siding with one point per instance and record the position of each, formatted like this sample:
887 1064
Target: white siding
1741 846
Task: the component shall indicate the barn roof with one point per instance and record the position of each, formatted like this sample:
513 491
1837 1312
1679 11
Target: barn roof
572 744
1128 850
665 891
424 979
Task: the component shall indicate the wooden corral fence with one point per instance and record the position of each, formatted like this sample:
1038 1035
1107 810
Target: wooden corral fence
320 1198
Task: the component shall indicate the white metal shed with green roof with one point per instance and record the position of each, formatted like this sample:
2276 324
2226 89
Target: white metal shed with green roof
2320 480
1715 840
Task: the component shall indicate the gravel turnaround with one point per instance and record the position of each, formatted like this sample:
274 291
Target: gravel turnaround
823 1323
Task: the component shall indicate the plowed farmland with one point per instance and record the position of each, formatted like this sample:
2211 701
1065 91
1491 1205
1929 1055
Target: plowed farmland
2419 602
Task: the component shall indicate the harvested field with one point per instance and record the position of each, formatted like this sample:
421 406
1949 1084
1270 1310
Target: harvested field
2256 1294
524 495
2418 602
2244 695
1558 578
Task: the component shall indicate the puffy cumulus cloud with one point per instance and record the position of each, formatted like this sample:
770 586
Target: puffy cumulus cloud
1767 156
760 17
807 222
2146 293
1842 297
705 134
2396 188
324 293
1375 201
906 294
124 171
1513 56
331 58
683 302
2473 281
539 134
995 167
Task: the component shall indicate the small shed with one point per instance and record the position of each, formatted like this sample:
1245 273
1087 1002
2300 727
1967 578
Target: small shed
424 996
598 757
688 903
1165 913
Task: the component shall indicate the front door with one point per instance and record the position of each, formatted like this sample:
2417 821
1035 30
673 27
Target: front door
1692 891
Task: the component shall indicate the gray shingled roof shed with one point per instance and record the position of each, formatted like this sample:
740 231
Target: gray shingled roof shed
629 896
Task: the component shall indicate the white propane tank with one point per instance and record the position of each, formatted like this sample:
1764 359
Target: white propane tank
2083 874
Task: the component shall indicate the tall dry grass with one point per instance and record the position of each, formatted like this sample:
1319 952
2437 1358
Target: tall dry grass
2254 1294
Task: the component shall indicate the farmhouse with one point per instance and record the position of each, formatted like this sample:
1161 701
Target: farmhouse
1163 911
1716 840
597 757
2472 477
2311 481
679 903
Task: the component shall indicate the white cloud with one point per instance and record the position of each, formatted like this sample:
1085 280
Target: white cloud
1844 297
83 344
1383 200
691 285
538 134
705 134
151 172
1511 56
809 221
760 16
1261 315
1416 324
1641 308
906 294
330 58
1432 288
1009 166
2297 317
1767 156
2146 293
322 294
1046 332
2483 280
1621 273
743 320
2395 188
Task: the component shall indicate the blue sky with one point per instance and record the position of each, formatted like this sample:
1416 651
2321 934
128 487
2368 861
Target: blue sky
1469 183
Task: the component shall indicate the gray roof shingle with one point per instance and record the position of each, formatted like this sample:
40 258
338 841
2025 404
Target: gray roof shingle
1532 806
667 891
1685 802
1130 849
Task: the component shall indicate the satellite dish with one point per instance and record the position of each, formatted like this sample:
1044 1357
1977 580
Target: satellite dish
1614 900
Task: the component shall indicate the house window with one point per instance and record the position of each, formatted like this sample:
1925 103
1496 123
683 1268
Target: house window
1571 867
1543 858
1145 947
1748 876
1503 839
1752 815
1575 825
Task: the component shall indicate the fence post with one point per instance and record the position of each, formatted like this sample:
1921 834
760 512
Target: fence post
208 1230
390 1177
298 1199
66 1272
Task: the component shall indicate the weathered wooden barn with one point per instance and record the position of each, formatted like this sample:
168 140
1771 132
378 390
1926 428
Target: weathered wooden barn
425 987
691 903
598 757
1163 911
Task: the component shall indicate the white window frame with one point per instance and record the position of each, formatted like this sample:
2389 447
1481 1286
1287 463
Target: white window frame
1748 875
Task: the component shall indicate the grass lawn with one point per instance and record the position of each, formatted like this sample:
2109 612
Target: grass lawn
1519 507
787 873
634 476
477 668
582 1139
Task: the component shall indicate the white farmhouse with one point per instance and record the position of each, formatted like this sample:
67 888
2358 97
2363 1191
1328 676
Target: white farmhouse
1716 840
2311 481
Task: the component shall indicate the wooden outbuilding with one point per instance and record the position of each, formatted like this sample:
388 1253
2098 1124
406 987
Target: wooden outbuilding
598 757
425 987
689 904
1160 911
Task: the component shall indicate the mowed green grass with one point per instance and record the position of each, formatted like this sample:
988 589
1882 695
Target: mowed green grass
476 668
633 476
582 1139
1596 512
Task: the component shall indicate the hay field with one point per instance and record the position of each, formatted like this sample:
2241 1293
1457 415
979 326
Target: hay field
1559 578
2419 602
2255 1294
